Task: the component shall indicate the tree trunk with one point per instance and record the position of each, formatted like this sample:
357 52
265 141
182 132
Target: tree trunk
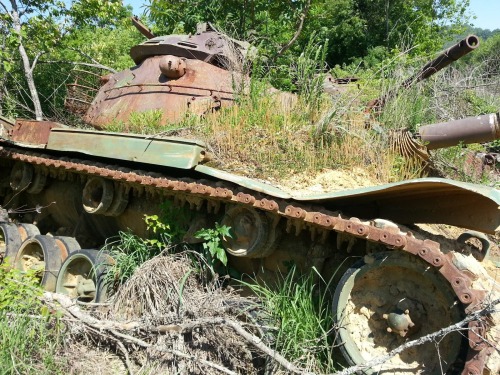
28 68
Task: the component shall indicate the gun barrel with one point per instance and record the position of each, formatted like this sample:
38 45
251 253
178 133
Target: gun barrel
143 29
485 128
455 52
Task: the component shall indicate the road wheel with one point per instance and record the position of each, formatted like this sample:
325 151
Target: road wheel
82 276
43 256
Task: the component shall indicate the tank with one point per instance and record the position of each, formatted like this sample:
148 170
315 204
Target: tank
64 191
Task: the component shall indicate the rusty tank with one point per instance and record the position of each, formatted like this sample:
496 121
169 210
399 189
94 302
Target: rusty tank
64 191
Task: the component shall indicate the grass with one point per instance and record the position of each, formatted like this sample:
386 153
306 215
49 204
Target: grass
300 305
30 334
128 251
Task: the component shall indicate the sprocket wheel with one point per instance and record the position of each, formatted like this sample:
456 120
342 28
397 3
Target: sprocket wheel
390 298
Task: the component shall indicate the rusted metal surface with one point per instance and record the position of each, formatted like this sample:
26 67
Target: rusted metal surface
299 216
424 200
6 126
175 75
207 45
32 132
485 128
143 29
145 88
455 52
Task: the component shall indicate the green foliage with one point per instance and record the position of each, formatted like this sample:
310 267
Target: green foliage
161 232
178 220
20 291
213 250
300 304
129 251
309 73
29 332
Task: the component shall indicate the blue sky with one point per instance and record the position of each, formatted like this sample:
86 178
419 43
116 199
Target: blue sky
487 12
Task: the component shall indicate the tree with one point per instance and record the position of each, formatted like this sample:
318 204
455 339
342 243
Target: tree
34 28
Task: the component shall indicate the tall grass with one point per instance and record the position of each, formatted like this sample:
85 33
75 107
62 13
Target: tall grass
272 134
300 305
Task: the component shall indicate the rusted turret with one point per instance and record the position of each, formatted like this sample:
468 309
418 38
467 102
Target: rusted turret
174 75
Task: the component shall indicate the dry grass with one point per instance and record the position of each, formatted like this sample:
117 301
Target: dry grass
167 291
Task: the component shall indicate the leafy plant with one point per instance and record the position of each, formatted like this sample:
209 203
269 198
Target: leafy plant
160 230
29 343
212 246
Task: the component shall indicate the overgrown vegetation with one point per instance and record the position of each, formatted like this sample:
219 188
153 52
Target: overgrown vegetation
30 333
302 130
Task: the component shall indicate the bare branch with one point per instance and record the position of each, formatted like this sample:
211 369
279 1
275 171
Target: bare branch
422 340
35 60
113 331
93 60
5 8
299 30
97 65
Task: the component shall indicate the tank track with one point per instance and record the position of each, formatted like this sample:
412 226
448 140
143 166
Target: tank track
299 217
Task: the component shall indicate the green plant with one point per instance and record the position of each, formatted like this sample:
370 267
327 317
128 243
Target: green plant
160 231
213 250
30 333
300 304
129 252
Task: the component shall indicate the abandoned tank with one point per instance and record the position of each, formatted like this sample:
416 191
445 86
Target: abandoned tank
67 190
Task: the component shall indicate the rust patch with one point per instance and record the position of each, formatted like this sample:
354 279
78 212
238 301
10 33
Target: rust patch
33 132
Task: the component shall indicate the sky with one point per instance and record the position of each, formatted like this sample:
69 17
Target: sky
487 12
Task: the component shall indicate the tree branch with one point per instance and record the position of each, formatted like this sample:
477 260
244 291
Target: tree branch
99 66
113 328
92 59
422 340
35 60
297 33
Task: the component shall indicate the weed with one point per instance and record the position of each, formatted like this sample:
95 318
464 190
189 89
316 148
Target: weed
129 252
212 246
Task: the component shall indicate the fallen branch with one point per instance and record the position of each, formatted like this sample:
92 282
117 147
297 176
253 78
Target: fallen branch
113 329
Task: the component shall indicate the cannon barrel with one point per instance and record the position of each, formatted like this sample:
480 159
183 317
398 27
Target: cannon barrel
445 58
143 29
478 129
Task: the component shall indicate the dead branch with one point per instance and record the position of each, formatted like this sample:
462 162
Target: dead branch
114 330
98 66
97 63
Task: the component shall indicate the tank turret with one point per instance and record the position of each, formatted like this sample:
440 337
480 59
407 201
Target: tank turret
174 74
